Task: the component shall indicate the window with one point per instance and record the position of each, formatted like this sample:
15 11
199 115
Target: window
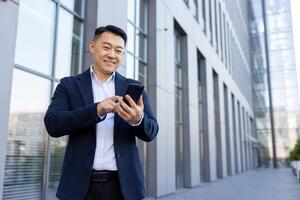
73 5
27 137
136 59
204 15
224 39
136 65
68 48
210 21
35 27
196 11
202 117
48 47
221 35
227 130
216 26
179 110
227 45
240 134
235 142
218 146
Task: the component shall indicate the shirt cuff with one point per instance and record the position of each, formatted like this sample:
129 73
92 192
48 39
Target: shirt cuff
102 117
139 122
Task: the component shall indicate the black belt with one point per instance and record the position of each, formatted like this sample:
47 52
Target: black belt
103 175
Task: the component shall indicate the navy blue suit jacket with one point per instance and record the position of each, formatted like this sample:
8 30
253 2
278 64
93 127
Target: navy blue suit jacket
73 112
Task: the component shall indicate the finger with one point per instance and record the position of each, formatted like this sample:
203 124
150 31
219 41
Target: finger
130 101
125 106
114 98
115 108
119 98
113 103
122 113
112 106
140 102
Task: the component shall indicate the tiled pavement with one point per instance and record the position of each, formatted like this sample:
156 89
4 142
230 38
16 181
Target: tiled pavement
260 184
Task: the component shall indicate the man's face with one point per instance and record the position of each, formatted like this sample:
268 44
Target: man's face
107 52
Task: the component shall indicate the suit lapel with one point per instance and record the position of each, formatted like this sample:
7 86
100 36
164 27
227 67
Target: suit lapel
120 89
84 83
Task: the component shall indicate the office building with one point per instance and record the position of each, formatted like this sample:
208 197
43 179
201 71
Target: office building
193 56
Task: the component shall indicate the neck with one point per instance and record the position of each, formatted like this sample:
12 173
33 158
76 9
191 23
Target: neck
100 75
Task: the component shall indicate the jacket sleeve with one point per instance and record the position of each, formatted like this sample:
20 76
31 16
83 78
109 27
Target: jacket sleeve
60 120
148 128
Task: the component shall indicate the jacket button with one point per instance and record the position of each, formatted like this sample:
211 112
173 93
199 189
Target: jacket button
118 155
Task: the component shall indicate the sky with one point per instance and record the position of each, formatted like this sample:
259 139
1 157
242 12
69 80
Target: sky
295 6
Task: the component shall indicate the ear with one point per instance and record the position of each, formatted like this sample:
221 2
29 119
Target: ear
91 46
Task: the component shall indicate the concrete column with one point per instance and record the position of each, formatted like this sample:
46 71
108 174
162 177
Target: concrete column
211 122
231 134
194 149
165 83
223 128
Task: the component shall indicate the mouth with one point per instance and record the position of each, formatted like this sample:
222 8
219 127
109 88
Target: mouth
109 62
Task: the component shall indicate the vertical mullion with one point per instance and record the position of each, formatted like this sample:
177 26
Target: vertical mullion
81 49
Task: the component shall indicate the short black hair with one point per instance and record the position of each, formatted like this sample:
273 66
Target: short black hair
112 29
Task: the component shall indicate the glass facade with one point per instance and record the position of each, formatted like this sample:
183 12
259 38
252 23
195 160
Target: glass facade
283 75
283 80
48 47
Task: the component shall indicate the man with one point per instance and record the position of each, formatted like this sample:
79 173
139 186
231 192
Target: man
101 159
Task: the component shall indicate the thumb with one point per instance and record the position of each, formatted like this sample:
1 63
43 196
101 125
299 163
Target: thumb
140 101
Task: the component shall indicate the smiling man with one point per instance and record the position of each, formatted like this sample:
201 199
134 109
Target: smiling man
101 159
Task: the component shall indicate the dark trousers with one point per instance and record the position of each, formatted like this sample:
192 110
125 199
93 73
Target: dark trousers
105 190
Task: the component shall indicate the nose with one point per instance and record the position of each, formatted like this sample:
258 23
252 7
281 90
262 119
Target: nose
112 54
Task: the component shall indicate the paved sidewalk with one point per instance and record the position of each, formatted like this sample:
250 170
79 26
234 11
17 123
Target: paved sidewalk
262 184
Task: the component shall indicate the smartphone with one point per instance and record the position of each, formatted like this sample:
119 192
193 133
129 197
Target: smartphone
134 91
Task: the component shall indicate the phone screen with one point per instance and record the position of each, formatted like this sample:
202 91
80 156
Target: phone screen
134 91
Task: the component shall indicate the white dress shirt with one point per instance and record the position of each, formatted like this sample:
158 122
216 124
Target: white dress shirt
105 153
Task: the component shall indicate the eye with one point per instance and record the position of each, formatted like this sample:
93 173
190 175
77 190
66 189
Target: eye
106 48
119 51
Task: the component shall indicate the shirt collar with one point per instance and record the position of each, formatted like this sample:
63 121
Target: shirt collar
93 75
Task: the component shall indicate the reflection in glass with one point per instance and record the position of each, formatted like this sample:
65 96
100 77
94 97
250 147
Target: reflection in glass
130 10
131 38
141 14
143 73
68 49
130 66
56 159
24 166
34 46
73 5
141 46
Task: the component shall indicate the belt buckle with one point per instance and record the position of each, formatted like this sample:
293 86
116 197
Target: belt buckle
101 176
